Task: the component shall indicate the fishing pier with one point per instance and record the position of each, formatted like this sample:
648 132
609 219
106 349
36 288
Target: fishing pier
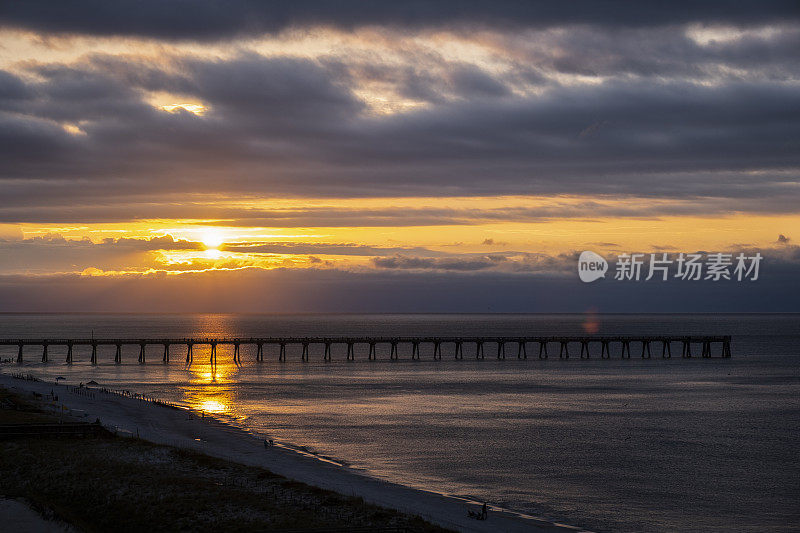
586 347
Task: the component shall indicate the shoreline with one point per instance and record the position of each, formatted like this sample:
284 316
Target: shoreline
187 429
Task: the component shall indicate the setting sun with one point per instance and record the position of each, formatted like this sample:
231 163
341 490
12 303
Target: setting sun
212 238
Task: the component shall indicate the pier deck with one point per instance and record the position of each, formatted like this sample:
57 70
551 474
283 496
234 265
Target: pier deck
602 346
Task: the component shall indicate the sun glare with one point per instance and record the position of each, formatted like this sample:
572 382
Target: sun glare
212 238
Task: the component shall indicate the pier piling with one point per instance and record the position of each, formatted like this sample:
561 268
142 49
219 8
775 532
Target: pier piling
327 356
646 346
605 352
543 350
584 348
687 349
626 348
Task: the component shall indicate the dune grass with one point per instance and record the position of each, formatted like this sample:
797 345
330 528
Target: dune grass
118 484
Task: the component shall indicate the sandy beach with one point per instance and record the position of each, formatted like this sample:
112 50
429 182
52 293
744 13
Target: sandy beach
129 416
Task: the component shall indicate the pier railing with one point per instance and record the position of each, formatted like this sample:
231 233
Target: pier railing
590 346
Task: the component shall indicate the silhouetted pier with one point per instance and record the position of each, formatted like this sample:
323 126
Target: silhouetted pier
585 346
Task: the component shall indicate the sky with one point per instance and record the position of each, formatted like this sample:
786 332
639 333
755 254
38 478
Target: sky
242 156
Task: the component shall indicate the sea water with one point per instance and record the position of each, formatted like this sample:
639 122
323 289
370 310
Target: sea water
624 445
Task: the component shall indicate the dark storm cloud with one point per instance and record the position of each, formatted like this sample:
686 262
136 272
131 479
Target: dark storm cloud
677 126
473 82
284 126
657 52
60 208
12 89
668 116
206 19
429 78
270 96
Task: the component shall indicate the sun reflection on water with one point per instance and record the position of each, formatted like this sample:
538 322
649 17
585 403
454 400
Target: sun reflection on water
212 406
209 389
209 385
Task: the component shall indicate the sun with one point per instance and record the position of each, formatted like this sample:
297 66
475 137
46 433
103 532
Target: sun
212 238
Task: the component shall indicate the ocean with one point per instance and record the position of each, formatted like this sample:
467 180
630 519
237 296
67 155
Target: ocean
609 445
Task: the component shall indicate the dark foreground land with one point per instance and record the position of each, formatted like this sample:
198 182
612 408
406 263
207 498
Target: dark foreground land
106 483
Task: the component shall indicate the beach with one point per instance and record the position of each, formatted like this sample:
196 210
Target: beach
183 428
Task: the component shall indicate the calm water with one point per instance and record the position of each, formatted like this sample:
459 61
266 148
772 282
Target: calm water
623 445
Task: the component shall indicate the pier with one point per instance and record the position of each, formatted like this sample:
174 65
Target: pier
585 347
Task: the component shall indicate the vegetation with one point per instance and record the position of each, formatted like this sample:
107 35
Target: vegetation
110 483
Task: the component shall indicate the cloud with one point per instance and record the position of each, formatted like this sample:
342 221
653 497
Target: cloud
290 127
96 204
209 20
54 253
692 103
697 52
390 290
570 112
255 247
450 263
10 232
166 242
